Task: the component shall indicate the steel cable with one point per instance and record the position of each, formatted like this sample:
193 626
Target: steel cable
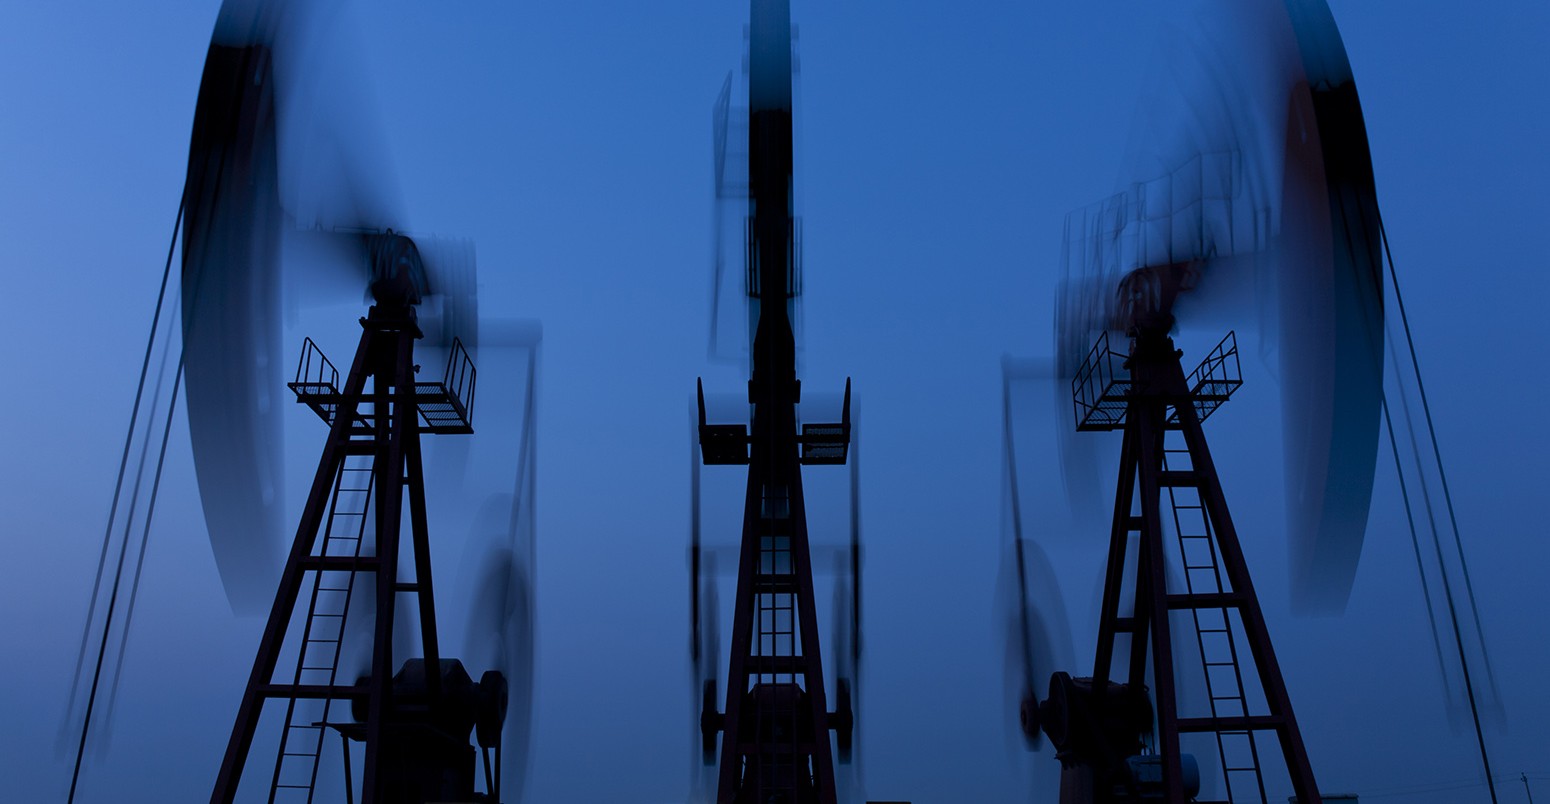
1469 686
118 487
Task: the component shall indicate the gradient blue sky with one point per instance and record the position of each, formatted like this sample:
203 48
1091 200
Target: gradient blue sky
940 147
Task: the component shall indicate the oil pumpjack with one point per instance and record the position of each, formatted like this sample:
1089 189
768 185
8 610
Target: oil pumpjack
1098 724
776 722
330 635
415 724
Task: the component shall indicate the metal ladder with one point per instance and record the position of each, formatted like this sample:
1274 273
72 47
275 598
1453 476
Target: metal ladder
1213 628
777 624
317 662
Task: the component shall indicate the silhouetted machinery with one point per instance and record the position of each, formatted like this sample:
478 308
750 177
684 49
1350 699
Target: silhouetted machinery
335 625
774 727
1139 256
1305 215
1099 724
415 723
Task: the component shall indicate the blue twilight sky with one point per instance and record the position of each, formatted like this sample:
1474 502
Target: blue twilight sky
940 147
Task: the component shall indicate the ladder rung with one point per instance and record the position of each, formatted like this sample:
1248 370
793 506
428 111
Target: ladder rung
774 582
770 665
1205 600
312 691
341 563
1225 725
1177 478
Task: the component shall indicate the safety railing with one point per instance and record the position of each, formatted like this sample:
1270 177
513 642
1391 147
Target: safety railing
821 443
317 381
1216 378
1099 388
461 377
447 407
828 443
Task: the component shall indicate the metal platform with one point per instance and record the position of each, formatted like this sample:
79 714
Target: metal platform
1100 388
822 444
1102 385
444 408
1213 382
